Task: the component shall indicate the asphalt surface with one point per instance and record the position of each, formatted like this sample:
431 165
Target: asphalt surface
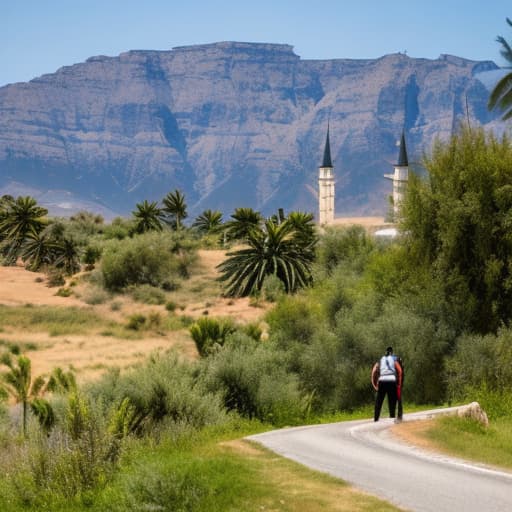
365 454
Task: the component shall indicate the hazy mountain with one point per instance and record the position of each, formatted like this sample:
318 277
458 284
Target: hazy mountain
229 124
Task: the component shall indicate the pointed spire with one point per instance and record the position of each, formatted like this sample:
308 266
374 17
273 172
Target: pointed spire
402 156
327 162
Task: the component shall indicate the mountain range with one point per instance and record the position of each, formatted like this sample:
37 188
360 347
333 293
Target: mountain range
230 124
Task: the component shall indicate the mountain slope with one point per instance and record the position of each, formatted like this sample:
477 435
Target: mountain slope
230 124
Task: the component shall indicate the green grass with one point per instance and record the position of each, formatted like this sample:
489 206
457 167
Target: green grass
470 440
208 471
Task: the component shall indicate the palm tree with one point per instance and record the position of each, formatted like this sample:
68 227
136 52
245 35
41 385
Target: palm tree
244 221
19 384
274 249
501 95
147 217
174 209
67 255
20 218
210 221
37 249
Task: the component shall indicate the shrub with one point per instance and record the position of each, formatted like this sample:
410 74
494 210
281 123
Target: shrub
181 489
94 296
144 259
254 381
347 246
170 306
136 322
147 294
163 389
481 363
64 292
55 277
272 288
210 333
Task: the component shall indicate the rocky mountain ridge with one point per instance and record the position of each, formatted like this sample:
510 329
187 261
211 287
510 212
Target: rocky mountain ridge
230 124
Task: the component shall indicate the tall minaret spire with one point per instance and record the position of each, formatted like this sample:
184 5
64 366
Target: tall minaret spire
326 185
400 176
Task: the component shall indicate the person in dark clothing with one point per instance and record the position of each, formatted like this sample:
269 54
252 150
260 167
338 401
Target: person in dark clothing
387 380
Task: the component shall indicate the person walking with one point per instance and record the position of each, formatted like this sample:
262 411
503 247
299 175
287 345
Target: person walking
386 380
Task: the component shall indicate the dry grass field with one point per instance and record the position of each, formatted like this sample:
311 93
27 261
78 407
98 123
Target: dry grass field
103 341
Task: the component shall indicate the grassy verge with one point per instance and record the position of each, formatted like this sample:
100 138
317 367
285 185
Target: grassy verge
211 471
469 440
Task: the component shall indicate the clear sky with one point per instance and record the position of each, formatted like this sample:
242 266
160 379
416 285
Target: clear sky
40 36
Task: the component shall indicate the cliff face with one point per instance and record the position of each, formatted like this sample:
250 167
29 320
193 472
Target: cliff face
229 124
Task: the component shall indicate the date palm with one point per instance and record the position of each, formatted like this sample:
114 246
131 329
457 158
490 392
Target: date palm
38 249
210 221
501 95
243 221
174 209
276 249
20 217
147 217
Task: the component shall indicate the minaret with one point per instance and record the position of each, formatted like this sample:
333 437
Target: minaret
399 177
326 186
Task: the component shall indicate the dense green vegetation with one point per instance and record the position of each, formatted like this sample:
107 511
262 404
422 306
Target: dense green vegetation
440 294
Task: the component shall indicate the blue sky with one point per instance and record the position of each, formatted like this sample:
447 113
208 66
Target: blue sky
39 36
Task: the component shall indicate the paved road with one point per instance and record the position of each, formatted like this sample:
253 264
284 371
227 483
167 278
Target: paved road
365 454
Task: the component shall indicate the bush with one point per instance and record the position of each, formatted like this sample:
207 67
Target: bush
147 294
136 322
347 246
144 259
178 489
209 334
55 277
272 288
254 381
163 389
75 457
94 296
481 363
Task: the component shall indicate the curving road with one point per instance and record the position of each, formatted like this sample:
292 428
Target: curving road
365 454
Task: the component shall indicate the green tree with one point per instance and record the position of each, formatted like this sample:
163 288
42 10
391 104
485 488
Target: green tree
19 384
147 217
210 221
244 220
457 222
174 209
501 95
282 250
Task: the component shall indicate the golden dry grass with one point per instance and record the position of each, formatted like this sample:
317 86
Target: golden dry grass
90 353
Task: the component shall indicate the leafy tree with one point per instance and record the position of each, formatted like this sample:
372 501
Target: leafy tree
501 95
147 217
282 250
243 221
174 209
210 221
67 255
19 383
457 222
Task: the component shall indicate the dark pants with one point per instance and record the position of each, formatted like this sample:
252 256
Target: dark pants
385 388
